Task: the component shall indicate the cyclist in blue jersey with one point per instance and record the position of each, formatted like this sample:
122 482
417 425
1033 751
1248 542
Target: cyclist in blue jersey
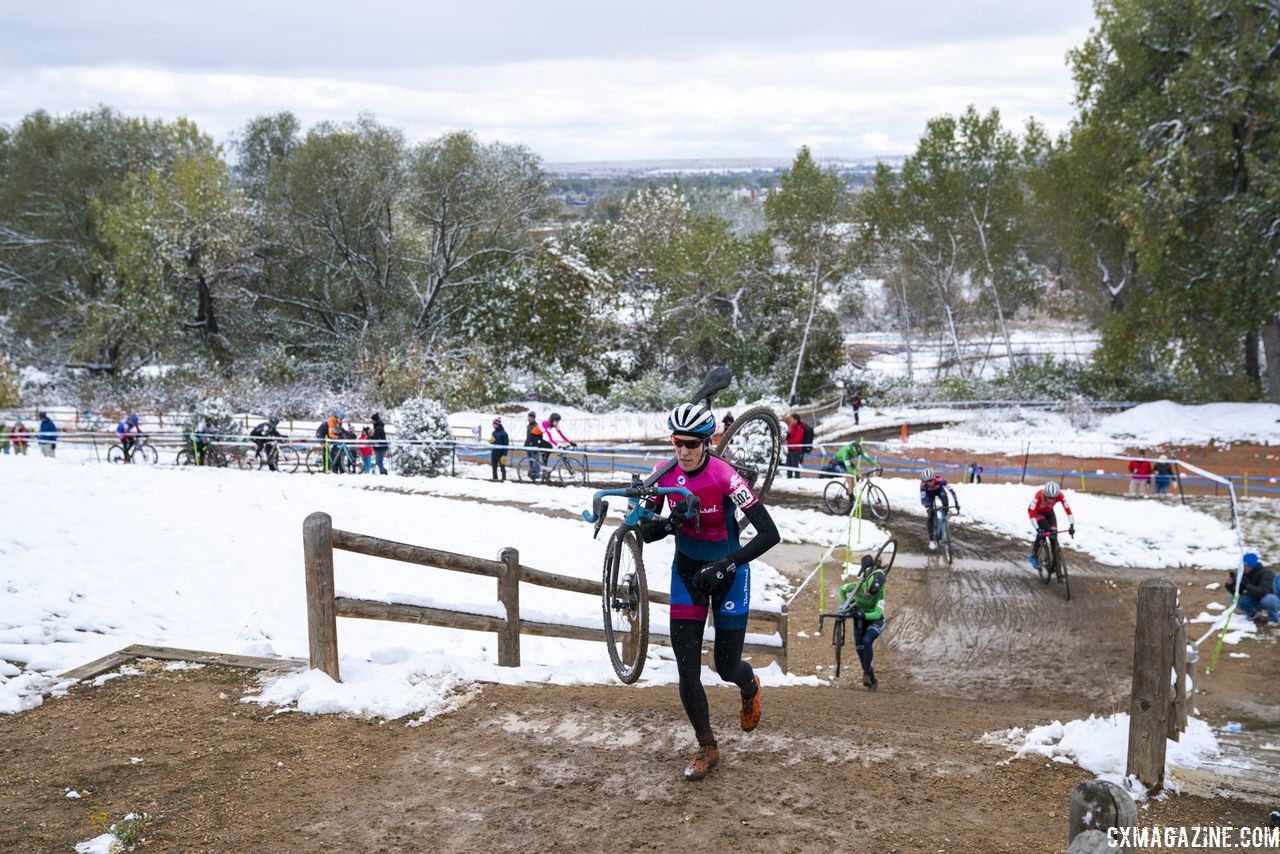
711 573
127 431
933 488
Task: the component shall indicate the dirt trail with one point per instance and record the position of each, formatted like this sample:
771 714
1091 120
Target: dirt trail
978 647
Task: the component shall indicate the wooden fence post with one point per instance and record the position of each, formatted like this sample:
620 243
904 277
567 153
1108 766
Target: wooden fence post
1150 703
1097 805
509 596
322 618
1178 714
782 633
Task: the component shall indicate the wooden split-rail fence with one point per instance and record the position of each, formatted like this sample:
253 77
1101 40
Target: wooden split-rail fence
324 606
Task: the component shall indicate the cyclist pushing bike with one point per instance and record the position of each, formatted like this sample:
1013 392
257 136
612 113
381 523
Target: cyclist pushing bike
934 488
850 458
1044 516
128 431
863 600
711 572
264 447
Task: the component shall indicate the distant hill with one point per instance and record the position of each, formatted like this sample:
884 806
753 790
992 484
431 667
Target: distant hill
705 166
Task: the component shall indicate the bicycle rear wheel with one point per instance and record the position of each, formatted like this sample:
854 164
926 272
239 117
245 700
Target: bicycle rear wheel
625 605
837 640
886 554
1061 564
876 503
752 446
523 473
115 454
185 458
835 497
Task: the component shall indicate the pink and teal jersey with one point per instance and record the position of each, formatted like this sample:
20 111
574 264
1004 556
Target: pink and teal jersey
721 491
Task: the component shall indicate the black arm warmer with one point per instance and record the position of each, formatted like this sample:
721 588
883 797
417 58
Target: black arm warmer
766 535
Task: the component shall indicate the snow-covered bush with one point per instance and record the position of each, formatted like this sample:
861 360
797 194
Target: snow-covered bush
423 440
651 391
1079 412
220 413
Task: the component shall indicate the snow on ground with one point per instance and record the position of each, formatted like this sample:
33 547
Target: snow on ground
887 351
212 560
1111 530
1101 745
1148 425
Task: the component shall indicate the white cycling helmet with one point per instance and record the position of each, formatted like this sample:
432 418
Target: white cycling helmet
1051 489
927 474
692 419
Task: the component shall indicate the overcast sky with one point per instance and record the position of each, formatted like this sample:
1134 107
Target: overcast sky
572 80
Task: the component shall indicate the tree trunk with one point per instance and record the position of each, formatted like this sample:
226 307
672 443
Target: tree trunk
804 339
1271 346
995 291
1251 368
955 339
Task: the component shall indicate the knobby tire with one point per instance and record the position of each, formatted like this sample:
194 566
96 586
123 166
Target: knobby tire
625 605
752 445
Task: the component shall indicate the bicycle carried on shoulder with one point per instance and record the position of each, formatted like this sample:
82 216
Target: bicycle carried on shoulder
752 446
839 502
884 557
1049 560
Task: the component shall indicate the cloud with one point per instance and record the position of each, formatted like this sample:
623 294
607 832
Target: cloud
741 96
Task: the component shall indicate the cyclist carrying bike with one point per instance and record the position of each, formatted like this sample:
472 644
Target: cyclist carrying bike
711 572
850 459
1044 516
128 431
863 600
262 436
934 488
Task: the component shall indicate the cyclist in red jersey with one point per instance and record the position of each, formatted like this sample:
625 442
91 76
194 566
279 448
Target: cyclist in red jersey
1043 515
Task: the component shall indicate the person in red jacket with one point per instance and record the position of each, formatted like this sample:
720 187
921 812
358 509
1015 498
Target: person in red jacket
1042 511
795 443
1139 476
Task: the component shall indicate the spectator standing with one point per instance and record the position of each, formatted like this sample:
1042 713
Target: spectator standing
1164 476
4 438
19 438
47 435
500 441
364 444
1259 593
857 405
975 472
379 442
1139 476
532 442
795 443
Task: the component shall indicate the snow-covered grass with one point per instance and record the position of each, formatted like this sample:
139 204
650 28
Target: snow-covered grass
1111 530
1101 745
212 560
986 356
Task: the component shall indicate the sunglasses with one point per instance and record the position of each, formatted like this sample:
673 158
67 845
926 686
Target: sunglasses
676 441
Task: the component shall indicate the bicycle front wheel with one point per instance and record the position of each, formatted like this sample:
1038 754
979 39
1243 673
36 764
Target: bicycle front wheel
837 640
569 471
752 446
876 503
1062 571
215 457
886 554
835 497
625 605
145 454
946 540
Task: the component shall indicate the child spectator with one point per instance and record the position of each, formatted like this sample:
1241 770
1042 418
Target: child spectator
364 445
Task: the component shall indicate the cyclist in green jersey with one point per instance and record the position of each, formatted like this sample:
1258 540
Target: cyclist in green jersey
850 457
863 600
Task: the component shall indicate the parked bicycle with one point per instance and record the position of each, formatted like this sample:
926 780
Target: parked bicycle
1050 561
562 468
752 446
142 452
884 557
874 502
